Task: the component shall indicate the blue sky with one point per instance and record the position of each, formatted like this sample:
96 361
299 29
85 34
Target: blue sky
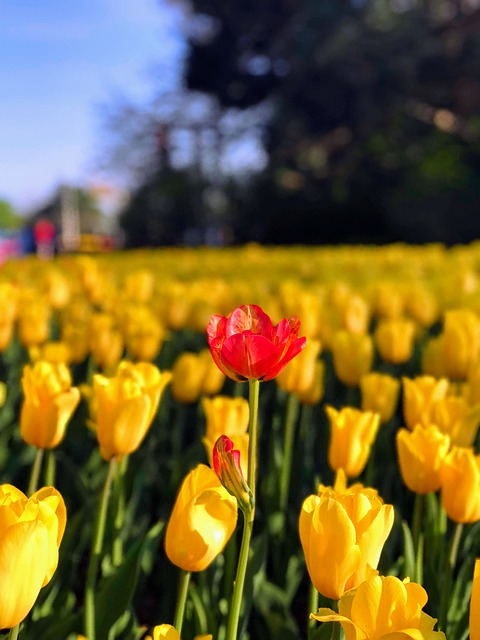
59 62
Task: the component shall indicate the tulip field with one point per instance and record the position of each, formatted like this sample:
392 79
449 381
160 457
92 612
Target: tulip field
245 443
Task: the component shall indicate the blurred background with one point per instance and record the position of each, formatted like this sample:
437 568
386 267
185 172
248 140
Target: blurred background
190 122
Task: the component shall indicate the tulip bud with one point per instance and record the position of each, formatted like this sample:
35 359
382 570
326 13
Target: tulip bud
226 463
461 333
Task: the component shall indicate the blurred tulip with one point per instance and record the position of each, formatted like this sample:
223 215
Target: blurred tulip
419 395
76 337
315 392
352 433
194 375
352 356
388 300
49 403
342 532
421 453
55 352
383 607
247 346
355 314
203 519
143 334
460 477
454 416
395 339
31 531
126 405
106 341
461 341
299 375
227 416
474 617
433 357
139 285
380 394
34 323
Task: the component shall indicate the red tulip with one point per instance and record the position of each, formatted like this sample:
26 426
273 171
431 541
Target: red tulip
226 464
247 346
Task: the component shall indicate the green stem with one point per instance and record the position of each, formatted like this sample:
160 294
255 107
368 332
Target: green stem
417 521
448 575
288 443
50 468
119 518
336 631
13 635
312 607
95 555
253 393
199 609
181 600
35 472
236 603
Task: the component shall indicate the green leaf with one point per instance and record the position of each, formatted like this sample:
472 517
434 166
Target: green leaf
116 591
408 551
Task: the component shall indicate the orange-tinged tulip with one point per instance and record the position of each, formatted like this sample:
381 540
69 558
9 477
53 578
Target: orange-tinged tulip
203 519
30 534
383 607
419 395
394 339
421 453
352 433
125 406
49 403
475 603
352 356
342 532
299 375
380 394
461 485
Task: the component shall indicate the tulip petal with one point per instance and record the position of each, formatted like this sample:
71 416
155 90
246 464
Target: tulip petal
23 566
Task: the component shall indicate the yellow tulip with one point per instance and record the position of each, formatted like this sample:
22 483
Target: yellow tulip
461 485
421 453
383 607
461 335
475 603
125 406
106 341
394 339
30 534
315 392
299 375
34 323
143 334
194 375
342 532
419 395
433 357
168 632
352 356
380 394
203 519
352 433
454 416
49 403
